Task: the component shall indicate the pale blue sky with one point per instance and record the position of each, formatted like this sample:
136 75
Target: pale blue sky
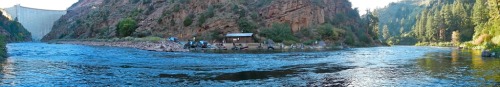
64 4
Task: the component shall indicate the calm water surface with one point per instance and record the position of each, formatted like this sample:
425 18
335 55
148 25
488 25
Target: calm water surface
40 64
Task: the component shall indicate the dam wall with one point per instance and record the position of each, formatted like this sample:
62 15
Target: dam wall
37 21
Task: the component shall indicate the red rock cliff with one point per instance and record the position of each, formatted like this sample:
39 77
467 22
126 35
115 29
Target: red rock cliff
165 18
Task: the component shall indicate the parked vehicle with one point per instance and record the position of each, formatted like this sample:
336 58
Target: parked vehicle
193 44
173 39
202 44
190 44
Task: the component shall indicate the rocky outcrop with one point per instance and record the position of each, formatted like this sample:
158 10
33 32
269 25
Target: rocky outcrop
165 18
303 13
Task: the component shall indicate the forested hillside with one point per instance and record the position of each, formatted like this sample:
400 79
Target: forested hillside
433 21
397 21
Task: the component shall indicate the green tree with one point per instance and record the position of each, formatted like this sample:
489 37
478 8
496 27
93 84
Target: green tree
462 20
480 12
201 20
372 23
439 20
494 8
326 31
188 20
429 28
279 32
177 7
126 27
440 27
420 26
480 16
447 15
385 32
247 26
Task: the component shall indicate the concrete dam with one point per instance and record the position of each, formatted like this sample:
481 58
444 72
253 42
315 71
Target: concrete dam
37 21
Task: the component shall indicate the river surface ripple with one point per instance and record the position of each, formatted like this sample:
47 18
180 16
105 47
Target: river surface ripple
40 64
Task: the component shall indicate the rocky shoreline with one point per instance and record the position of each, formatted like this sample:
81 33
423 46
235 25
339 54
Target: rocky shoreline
160 46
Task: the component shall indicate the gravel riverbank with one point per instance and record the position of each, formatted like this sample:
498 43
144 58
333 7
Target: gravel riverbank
161 46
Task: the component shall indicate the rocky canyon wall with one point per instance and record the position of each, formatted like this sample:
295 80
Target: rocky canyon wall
165 18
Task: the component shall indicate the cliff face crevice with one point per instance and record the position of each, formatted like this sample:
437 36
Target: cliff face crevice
165 18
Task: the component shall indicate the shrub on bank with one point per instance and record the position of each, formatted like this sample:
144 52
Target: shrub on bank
188 20
496 40
326 31
309 42
247 26
126 27
495 49
279 33
350 39
439 44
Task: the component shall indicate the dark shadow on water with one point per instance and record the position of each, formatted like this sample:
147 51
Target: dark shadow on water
330 81
249 75
287 71
180 76
283 72
330 70
126 66
462 63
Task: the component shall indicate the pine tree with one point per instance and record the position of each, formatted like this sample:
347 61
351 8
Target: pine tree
429 28
462 21
420 26
439 26
385 32
494 23
373 23
437 20
480 13
494 7
447 16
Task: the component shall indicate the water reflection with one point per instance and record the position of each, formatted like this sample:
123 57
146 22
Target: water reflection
462 66
7 71
454 56
477 60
